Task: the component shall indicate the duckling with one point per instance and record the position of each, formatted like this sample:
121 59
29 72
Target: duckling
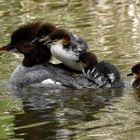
135 71
102 73
66 47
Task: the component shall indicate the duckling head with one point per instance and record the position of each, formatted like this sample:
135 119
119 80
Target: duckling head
61 38
64 48
135 71
88 60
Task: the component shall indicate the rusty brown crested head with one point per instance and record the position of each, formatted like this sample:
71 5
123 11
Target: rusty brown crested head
21 40
59 34
88 59
135 71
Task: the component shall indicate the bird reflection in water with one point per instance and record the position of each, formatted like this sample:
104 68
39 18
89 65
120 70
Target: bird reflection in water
53 114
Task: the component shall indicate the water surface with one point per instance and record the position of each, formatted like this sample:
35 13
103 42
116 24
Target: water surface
112 30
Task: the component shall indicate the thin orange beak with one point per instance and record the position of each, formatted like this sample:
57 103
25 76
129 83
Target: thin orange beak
6 48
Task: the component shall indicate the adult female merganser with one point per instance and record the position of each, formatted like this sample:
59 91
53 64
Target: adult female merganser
103 74
49 76
136 73
66 47
34 70
38 53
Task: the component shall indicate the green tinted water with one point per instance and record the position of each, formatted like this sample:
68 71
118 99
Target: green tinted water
112 30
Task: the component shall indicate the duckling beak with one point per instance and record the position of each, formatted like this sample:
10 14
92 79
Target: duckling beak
7 48
46 41
35 40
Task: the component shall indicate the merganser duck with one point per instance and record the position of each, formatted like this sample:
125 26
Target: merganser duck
49 76
66 47
21 41
103 74
135 71
35 66
46 75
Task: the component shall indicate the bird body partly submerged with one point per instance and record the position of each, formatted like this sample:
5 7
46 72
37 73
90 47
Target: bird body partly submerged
104 74
26 76
35 66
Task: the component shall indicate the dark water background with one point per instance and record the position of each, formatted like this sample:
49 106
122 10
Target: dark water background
112 30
